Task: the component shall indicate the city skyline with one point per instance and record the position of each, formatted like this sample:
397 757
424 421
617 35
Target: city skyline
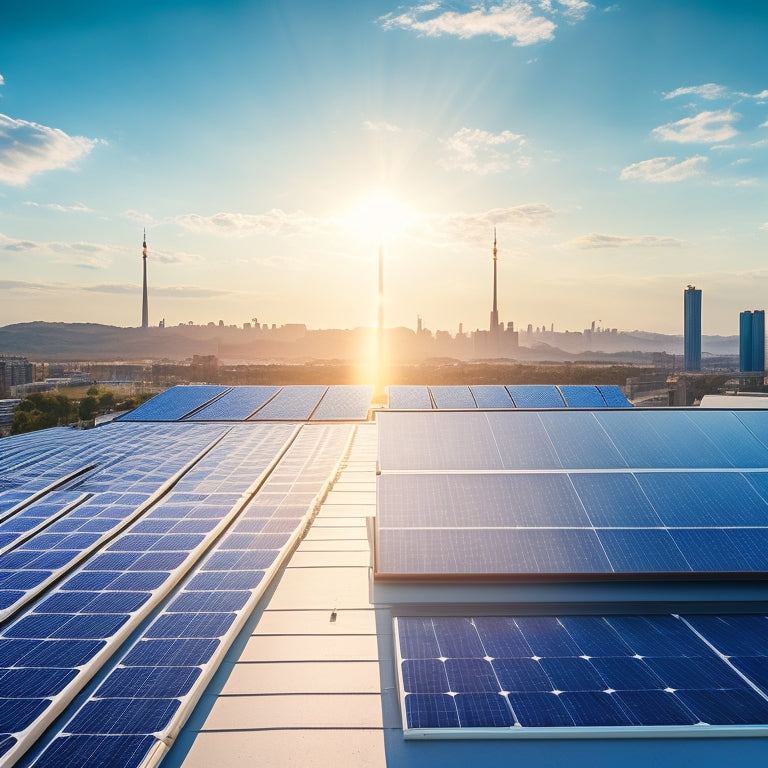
619 149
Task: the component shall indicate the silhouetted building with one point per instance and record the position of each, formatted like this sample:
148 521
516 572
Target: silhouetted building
692 328
752 340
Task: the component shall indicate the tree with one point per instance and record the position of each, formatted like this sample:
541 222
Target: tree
106 401
87 409
92 391
41 410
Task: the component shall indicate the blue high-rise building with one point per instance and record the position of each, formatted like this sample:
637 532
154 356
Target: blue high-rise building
752 340
692 328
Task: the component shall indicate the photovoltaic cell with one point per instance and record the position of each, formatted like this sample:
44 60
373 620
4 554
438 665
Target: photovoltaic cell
526 672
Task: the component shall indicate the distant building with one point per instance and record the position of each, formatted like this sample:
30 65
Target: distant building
14 371
752 340
692 328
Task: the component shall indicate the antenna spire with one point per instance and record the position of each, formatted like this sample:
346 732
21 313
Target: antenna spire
144 303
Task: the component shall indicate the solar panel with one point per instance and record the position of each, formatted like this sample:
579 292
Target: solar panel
566 525
536 396
613 396
524 673
344 403
582 396
291 404
452 397
150 691
491 396
174 403
236 405
403 396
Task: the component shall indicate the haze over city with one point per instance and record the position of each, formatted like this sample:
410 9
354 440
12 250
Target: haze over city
619 149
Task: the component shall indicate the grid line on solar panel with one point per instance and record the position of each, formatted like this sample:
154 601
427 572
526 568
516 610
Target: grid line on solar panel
528 673
491 396
535 396
161 675
581 396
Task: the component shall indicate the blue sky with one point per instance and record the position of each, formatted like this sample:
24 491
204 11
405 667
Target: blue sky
620 150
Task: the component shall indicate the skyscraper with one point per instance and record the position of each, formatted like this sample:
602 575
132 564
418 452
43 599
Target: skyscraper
692 328
144 305
752 340
495 311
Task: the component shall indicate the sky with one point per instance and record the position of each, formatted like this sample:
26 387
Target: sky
619 149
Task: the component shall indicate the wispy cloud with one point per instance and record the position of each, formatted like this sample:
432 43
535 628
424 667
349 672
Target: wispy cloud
2 80
599 240
447 229
181 292
478 151
705 128
381 126
21 286
714 91
28 148
76 207
507 20
664 169
273 222
78 254
709 91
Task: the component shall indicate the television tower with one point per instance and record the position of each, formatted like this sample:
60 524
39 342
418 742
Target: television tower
144 307
495 310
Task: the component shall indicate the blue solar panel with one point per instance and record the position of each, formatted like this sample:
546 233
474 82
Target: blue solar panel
236 405
97 751
175 403
536 396
405 397
613 396
576 671
291 404
491 396
582 396
452 397
344 403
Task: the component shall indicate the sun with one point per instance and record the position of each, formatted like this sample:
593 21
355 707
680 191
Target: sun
381 216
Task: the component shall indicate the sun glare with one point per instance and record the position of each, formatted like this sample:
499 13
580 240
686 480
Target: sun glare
382 216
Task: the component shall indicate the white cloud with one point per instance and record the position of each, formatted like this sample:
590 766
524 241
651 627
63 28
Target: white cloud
273 222
381 127
508 20
29 148
764 125
145 219
478 151
2 80
76 207
599 240
447 229
704 128
664 169
575 9
709 91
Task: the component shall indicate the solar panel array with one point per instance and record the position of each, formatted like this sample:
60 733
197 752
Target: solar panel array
411 397
520 675
211 403
52 646
566 494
